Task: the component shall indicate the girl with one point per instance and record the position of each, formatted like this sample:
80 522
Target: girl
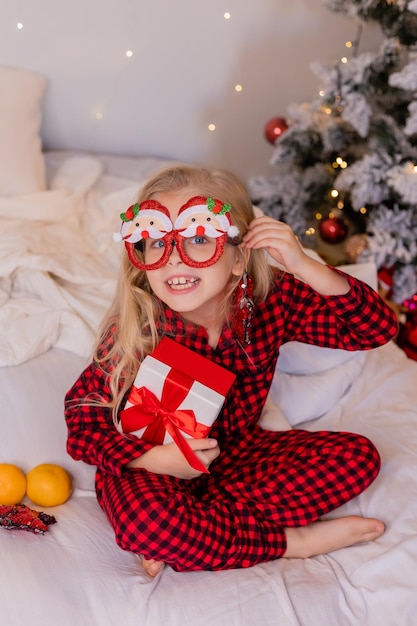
265 491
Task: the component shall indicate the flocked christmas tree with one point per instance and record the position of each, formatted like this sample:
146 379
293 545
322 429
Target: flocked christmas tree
346 166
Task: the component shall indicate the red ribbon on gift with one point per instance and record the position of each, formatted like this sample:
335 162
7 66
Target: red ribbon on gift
160 416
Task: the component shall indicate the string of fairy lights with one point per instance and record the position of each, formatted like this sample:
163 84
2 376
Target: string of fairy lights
340 162
352 46
129 53
238 87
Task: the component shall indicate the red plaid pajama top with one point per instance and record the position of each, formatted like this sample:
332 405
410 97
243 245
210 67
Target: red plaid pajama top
262 481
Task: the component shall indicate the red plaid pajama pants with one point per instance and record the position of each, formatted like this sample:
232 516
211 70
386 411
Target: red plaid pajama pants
235 516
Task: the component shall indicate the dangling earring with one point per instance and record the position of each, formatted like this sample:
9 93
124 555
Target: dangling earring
243 311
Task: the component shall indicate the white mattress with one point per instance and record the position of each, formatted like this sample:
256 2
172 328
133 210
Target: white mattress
76 575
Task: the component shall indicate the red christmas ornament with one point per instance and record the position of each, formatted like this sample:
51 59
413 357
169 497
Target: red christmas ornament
412 336
333 229
274 129
407 336
411 304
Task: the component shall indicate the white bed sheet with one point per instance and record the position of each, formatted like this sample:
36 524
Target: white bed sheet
75 574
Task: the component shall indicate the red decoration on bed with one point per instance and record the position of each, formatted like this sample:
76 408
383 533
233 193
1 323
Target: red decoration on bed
21 517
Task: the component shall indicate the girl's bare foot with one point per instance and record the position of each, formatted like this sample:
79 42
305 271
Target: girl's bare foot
328 535
151 566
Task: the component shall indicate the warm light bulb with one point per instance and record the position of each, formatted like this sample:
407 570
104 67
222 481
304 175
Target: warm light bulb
344 59
322 93
238 87
19 25
227 15
129 53
348 44
362 210
328 110
334 193
212 127
310 231
415 169
99 115
340 163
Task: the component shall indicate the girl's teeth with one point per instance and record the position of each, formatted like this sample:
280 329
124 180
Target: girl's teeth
182 282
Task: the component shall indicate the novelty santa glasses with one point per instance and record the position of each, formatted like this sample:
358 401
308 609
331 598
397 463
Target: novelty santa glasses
200 232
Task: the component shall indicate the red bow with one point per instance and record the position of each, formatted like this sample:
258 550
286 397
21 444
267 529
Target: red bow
160 416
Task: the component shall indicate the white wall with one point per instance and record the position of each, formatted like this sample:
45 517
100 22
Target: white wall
186 62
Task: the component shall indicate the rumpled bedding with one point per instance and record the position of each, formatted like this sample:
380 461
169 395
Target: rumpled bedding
58 261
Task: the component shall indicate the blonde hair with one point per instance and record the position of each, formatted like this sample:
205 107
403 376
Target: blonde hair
131 318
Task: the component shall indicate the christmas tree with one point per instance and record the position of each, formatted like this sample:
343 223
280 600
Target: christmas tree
346 165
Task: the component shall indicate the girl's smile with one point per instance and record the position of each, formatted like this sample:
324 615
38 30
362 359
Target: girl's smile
182 283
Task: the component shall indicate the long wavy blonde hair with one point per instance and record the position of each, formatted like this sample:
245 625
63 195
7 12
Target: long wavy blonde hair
131 318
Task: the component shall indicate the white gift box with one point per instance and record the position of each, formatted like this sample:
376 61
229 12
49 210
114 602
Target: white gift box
176 394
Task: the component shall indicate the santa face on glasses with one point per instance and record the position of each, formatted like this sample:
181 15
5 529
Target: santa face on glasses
199 217
205 216
149 220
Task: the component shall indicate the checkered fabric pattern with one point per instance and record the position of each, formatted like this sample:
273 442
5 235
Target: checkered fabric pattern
263 481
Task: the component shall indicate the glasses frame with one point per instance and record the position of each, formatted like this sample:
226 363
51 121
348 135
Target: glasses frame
174 238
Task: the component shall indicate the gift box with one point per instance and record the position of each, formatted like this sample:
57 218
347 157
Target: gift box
177 394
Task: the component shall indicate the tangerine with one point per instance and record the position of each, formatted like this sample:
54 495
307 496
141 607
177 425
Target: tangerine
48 485
12 484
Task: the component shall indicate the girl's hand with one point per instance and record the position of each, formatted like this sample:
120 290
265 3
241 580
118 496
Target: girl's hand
282 245
278 240
167 459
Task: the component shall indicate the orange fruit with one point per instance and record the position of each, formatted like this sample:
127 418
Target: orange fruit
12 484
48 485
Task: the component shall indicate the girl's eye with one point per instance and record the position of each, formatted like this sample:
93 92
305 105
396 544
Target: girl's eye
198 239
158 243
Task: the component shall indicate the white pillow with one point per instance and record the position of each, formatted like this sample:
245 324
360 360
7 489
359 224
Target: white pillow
22 166
300 358
309 380
301 398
